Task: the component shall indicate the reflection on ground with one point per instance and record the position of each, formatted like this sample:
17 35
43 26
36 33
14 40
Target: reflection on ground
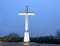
26 44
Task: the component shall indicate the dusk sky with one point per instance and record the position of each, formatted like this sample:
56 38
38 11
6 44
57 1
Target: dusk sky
45 22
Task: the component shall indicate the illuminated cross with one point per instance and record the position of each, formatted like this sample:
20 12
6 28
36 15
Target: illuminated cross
26 39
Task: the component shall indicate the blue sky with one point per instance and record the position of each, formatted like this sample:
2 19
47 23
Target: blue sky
45 22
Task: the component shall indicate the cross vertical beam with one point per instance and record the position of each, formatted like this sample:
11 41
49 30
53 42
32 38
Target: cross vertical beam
26 19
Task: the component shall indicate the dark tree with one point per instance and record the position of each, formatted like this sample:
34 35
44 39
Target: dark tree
58 34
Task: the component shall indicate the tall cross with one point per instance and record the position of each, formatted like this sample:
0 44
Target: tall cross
26 17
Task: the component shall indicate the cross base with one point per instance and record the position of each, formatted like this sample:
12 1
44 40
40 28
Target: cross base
26 37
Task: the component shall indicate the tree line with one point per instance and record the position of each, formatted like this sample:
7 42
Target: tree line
13 37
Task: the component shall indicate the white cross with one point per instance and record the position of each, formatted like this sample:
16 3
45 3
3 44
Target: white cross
26 17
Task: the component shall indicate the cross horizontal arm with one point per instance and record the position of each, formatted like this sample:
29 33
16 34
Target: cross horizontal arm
26 13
